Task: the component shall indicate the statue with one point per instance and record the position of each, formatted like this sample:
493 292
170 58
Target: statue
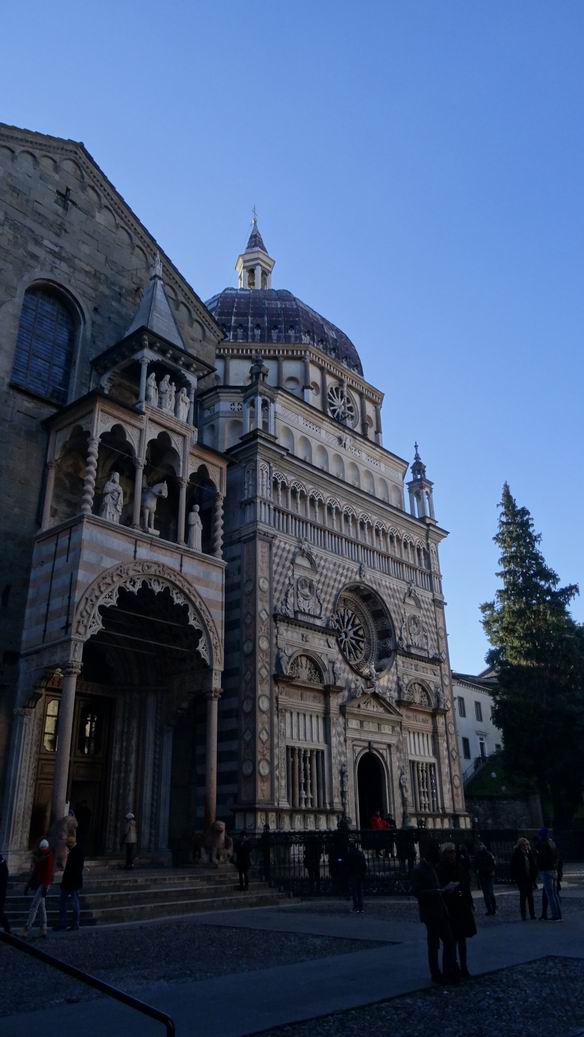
403 788
165 393
195 529
150 495
152 390
112 500
171 397
182 405
282 660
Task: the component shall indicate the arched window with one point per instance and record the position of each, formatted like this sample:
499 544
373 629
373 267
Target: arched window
45 344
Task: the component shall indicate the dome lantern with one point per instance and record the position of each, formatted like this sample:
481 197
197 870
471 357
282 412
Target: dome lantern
254 266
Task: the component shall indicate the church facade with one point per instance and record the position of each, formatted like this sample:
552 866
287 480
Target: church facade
215 599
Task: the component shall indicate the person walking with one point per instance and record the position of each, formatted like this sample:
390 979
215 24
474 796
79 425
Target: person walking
485 868
454 877
71 884
130 840
524 873
356 872
243 859
3 891
433 913
40 880
547 863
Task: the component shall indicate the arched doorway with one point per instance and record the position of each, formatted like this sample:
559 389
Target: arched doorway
138 740
370 788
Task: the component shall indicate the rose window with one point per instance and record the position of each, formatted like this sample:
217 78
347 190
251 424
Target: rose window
364 630
341 406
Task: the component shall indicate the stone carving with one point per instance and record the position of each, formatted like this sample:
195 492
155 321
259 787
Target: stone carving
308 600
214 843
167 394
303 668
195 528
113 499
404 793
282 660
104 592
414 634
150 497
182 404
152 390
61 830
418 695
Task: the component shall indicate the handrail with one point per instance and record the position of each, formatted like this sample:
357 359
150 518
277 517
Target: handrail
92 981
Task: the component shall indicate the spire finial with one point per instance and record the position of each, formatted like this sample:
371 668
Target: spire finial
416 454
254 216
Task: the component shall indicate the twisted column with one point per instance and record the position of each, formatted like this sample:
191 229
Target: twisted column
89 478
218 526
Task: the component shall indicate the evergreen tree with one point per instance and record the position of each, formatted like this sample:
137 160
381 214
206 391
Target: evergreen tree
538 654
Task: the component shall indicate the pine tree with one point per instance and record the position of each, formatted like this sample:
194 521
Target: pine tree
538 653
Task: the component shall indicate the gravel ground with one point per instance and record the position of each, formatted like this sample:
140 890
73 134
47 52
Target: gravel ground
541 999
135 956
406 910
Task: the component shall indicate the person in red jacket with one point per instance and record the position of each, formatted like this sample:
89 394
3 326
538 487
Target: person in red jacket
40 880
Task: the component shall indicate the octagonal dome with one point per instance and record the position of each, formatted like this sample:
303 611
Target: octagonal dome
276 315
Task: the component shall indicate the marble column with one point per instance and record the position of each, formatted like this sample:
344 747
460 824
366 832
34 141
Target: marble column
49 490
64 732
143 376
218 526
138 476
213 697
182 510
89 477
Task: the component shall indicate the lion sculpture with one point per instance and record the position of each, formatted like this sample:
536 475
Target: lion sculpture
214 844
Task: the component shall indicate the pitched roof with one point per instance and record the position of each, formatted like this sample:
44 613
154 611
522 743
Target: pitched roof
154 312
255 240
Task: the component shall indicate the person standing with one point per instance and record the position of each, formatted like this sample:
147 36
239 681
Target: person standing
40 880
130 840
3 891
454 878
71 884
524 873
356 872
547 863
485 868
243 859
434 915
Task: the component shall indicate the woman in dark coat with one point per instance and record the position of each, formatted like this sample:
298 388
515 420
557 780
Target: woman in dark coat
454 872
524 873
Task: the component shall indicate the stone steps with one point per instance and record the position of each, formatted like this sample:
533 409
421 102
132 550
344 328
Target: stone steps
141 896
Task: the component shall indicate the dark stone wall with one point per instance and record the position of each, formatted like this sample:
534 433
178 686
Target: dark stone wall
61 222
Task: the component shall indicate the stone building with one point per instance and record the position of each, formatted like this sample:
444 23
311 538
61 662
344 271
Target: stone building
302 666
478 735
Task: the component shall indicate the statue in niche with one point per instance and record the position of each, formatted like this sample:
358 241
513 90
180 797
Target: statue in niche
404 793
282 660
182 404
195 529
166 394
150 495
287 606
152 390
112 500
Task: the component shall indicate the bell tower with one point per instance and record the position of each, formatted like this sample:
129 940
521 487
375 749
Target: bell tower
254 266
420 490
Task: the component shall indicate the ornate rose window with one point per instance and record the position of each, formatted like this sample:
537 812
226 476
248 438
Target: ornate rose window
365 633
341 405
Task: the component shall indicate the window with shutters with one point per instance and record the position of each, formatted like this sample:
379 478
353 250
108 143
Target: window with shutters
45 343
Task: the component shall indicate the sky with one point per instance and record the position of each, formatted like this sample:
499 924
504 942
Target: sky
418 172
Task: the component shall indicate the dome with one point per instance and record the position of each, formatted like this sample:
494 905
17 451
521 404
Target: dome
276 315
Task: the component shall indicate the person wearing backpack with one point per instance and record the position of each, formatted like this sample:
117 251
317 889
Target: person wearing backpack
485 868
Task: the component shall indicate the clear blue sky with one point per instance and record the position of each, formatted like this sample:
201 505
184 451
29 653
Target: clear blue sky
418 170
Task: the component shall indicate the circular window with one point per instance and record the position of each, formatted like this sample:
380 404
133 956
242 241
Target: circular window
364 630
341 405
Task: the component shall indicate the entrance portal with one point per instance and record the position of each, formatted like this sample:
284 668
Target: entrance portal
371 788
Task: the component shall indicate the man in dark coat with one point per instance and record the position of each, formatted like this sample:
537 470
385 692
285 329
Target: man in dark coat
484 863
3 890
524 873
356 871
454 877
243 850
433 913
71 884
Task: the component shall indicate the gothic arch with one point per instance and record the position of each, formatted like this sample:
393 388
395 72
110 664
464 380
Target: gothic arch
105 589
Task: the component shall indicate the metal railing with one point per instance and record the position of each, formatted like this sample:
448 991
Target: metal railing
91 981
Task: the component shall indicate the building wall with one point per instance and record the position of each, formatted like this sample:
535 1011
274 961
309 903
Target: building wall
477 732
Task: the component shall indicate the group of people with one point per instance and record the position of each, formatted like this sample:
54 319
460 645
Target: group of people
442 885
62 851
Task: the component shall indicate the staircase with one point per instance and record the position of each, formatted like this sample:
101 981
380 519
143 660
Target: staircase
111 894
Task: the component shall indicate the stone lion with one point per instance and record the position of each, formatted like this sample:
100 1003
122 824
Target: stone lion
214 844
